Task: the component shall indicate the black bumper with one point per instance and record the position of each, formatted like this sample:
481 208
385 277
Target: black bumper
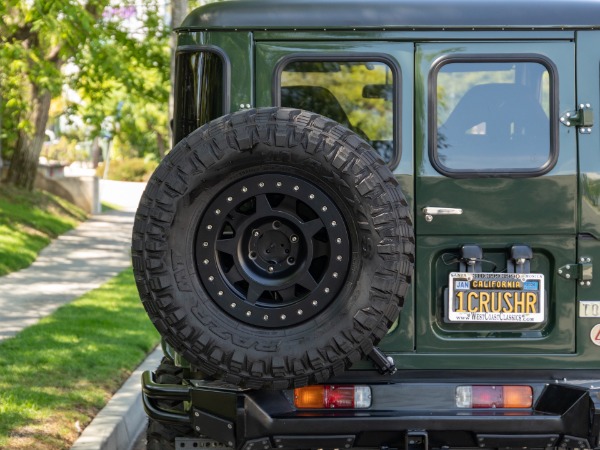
406 415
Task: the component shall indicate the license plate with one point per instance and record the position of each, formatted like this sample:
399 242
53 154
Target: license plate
496 297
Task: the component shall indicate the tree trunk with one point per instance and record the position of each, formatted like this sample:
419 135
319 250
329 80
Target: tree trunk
96 152
24 163
179 10
160 143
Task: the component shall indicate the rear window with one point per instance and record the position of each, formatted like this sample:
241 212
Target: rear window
492 117
358 94
199 91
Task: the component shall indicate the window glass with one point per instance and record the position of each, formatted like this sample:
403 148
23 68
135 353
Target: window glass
198 91
358 95
492 117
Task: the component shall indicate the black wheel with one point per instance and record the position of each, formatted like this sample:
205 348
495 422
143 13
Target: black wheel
276 254
273 248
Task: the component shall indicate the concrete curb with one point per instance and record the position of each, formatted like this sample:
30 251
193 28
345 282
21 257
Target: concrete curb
122 420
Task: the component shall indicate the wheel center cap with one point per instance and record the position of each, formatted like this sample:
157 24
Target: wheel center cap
273 247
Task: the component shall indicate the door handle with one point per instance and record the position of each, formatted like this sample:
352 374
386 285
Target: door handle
431 211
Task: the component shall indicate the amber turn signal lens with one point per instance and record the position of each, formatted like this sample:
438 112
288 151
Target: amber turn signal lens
518 396
309 397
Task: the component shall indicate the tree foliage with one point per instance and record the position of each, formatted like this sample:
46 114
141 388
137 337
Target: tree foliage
111 60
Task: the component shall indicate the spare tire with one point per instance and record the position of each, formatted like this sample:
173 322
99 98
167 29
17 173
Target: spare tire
272 248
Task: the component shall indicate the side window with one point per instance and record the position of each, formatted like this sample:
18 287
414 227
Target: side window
199 91
358 94
492 117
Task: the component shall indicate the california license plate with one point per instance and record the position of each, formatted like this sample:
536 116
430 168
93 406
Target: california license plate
496 297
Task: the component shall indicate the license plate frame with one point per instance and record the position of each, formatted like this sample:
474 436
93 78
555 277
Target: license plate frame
507 298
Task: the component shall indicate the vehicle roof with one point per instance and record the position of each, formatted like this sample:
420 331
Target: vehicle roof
394 14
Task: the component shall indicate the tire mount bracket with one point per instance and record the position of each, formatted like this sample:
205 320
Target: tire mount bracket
384 364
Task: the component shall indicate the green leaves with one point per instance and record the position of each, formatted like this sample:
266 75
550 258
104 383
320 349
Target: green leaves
105 53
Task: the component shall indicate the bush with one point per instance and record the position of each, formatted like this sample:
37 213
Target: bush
64 150
131 169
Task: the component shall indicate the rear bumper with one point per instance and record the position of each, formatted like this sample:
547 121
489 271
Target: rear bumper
404 415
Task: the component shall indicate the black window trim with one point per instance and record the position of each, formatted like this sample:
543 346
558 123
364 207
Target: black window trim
493 58
351 57
193 48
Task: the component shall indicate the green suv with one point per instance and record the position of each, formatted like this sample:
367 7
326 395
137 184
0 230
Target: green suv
377 228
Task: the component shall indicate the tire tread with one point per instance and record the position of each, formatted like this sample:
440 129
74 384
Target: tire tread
298 134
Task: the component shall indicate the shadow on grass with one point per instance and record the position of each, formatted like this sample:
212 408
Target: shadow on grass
18 249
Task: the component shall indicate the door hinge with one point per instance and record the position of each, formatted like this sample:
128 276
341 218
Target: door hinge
581 271
582 119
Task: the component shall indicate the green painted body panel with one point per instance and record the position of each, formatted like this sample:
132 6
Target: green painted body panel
588 76
556 335
536 205
588 91
498 212
392 15
239 48
412 36
542 211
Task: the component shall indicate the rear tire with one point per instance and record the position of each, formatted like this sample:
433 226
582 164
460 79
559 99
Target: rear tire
273 248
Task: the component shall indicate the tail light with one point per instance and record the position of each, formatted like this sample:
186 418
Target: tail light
494 397
332 396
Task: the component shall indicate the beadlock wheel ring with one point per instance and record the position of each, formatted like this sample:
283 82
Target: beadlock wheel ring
272 250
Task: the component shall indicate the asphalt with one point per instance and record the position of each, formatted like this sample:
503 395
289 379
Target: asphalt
75 263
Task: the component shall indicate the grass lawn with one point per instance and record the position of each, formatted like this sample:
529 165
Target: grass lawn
56 375
28 221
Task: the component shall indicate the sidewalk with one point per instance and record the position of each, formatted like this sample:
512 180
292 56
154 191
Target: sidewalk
75 263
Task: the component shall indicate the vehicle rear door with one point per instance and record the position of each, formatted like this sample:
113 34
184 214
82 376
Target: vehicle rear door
367 87
495 201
